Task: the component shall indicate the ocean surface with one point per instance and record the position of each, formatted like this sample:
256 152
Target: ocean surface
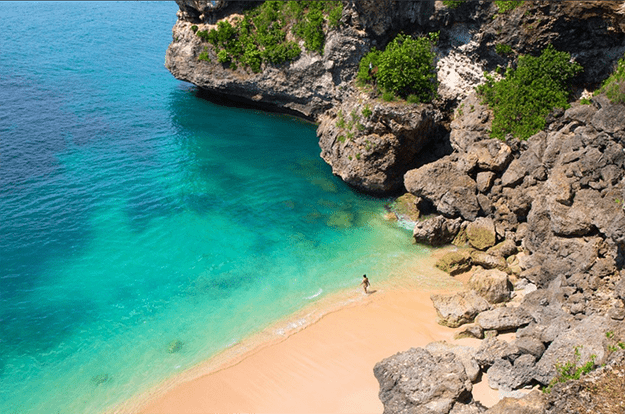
142 228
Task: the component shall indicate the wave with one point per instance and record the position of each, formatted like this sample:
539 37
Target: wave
319 292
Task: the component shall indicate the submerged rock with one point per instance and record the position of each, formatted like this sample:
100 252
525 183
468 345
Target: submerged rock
100 379
174 346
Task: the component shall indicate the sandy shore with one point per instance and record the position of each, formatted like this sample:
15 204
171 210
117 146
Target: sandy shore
326 367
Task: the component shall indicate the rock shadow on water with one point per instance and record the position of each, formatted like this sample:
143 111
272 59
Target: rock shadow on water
101 379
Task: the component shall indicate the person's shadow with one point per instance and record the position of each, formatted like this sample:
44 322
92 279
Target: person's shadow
371 292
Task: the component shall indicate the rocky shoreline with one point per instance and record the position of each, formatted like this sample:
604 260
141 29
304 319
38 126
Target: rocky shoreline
541 223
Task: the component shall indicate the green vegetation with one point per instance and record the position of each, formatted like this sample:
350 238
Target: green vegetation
261 36
194 28
204 55
571 371
366 111
503 49
526 95
614 86
452 4
585 101
507 5
406 67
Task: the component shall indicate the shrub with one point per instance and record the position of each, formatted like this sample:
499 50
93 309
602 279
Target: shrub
526 95
204 56
452 4
366 111
571 371
614 86
585 101
413 99
503 49
507 5
405 67
222 56
194 28
388 96
261 36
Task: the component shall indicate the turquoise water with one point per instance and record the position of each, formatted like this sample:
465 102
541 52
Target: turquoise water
134 214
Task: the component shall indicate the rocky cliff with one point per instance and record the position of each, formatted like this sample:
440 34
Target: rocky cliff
540 223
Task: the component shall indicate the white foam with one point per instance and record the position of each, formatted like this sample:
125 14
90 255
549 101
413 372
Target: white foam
315 295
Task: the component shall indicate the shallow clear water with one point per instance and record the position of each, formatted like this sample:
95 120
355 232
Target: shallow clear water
134 214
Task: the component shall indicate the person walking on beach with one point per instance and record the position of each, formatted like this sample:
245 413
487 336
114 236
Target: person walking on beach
365 283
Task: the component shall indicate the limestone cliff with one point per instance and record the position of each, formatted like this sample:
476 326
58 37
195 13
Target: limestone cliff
319 86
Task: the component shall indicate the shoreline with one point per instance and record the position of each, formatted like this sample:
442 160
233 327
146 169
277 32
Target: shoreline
328 345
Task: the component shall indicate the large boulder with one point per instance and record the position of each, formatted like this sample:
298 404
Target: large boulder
459 308
504 319
492 349
481 233
578 345
416 381
451 191
507 376
488 261
436 231
492 154
455 262
465 353
493 285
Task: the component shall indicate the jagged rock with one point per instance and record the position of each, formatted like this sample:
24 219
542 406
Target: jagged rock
488 261
508 376
504 249
474 331
376 157
452 192
492 349
493 285
609 119
436 231
459 308
481 233
596 392
470 408
484 181
406 207
492 154
619 289
455 263
575 345
530 345
504 319
415 379
533 403
465 353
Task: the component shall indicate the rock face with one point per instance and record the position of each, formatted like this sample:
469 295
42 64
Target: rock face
459 308
417 380
449 189
372 151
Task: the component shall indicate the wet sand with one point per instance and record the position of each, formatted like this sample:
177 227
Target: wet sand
325 367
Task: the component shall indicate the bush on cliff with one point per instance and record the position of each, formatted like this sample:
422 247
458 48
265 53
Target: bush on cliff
614 86
261 36
525 96
404 68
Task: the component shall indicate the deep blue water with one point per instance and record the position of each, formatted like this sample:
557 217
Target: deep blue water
134 214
